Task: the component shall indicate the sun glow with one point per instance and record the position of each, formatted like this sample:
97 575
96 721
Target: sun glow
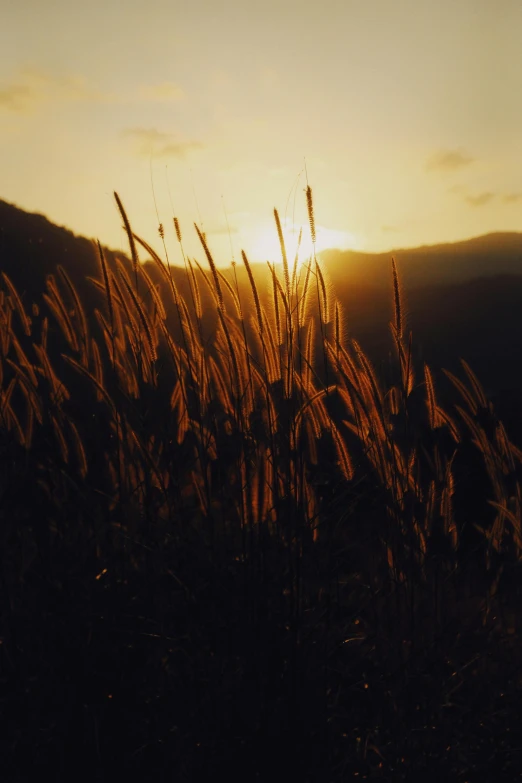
265 245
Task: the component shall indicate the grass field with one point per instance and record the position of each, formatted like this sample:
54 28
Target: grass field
230 547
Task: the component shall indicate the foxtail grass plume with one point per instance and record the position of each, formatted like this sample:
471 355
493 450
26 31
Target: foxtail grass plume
311 217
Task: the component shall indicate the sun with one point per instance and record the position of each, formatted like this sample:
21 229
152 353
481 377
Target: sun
265 243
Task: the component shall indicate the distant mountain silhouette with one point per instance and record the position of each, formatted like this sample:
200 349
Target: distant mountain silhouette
29 238
31 247
484 256
461 300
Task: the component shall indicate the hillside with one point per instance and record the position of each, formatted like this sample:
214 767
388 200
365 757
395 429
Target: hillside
31 238
31 247
485 256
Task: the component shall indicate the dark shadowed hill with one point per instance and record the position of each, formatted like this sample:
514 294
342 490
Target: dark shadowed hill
31 247
485 256
28 238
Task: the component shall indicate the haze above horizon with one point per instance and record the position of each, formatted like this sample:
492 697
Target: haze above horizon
405 113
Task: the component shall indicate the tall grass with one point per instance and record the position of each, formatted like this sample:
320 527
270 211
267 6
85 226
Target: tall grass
170 430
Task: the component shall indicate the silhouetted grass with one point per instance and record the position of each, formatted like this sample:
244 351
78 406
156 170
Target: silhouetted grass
229 547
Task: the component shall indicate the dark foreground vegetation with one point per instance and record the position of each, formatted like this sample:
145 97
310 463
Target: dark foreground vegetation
232 549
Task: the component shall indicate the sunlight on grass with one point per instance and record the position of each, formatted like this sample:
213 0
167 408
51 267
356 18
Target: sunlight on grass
225 462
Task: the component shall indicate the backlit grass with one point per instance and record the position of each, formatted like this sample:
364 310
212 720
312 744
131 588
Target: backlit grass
228 543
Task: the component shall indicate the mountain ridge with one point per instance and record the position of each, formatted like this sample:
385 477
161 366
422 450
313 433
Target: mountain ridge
358 264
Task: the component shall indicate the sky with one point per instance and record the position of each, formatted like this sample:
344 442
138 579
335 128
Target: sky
405 118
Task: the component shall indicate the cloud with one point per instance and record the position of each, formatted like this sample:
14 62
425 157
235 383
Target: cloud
16 97
219 230
34 86
390 229
162 93
64 86
448 160
512 198
163 145
480 199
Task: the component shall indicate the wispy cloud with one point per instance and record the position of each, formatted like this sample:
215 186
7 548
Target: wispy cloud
474 200
223 229
16 97
480 199
160 144
448 160
512 198
162 93
34 86
67 86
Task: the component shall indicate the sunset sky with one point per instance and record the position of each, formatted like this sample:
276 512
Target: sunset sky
408 114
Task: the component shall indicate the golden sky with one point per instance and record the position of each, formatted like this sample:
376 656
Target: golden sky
407 112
